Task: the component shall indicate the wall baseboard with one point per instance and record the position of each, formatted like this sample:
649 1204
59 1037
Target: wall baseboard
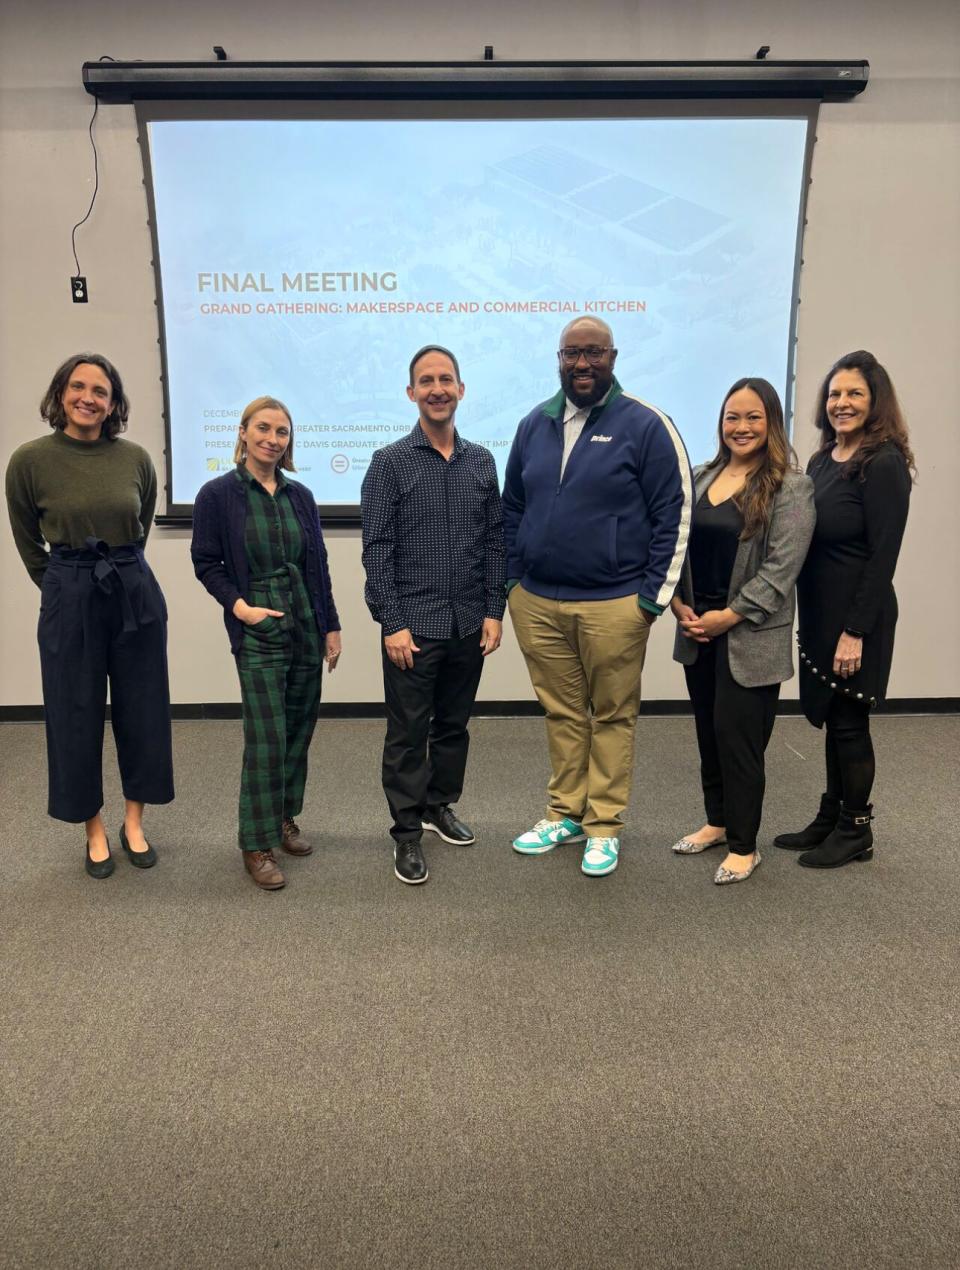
488 709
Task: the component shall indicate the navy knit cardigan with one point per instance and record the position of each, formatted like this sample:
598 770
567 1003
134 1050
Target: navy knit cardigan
219 550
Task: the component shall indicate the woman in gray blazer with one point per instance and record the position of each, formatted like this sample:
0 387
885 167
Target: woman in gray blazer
752 523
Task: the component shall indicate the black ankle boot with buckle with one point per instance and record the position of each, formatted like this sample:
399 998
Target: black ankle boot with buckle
852 839
818 830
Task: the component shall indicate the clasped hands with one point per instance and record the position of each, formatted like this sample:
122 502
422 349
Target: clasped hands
400 646
705 627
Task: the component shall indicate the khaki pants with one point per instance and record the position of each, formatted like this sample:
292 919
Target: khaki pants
585 660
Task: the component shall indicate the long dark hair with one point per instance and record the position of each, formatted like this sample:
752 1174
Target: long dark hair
761 487
884 422
51 407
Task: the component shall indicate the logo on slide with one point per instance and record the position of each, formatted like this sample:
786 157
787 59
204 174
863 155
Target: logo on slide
340 464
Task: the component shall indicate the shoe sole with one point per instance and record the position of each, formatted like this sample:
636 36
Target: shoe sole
861 856
599 873
551 846
267 886
454 842
304 854
410 881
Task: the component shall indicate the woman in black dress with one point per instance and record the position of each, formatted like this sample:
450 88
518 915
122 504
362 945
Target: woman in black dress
848 610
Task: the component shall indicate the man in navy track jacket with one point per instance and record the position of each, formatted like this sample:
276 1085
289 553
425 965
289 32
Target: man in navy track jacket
596 514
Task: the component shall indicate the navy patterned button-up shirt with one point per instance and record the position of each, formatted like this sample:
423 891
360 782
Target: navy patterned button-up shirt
432 538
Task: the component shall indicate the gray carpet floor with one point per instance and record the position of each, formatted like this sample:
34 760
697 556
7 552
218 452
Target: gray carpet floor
511 1066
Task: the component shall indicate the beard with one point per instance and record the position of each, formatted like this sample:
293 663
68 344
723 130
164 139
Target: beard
601 381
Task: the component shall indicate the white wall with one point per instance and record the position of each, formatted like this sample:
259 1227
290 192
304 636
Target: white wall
881 271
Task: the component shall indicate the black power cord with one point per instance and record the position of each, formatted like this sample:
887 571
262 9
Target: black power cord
96 173
96 187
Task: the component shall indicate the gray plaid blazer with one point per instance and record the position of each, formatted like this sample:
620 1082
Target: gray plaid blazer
762 586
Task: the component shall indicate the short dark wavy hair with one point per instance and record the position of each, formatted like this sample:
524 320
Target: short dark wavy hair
51 407
433 348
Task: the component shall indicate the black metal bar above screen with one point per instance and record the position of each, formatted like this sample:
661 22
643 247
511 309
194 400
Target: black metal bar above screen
118 82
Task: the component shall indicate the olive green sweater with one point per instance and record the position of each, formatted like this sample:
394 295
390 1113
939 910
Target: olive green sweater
61 491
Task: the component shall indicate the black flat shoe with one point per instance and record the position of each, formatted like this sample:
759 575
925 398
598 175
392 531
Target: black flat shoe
98 868
139 859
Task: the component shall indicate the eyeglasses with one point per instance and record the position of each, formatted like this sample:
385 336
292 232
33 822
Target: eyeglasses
594 354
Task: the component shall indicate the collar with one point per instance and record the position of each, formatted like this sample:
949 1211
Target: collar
418 437
555 407
252 481
72 443
571 409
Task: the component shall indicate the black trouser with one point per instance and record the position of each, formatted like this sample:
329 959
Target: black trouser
850 762
428 708
734 725
102 616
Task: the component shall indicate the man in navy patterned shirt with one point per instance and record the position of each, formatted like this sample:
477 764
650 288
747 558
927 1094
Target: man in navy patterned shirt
433 554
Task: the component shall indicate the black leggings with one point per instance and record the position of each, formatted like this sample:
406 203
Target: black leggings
850 762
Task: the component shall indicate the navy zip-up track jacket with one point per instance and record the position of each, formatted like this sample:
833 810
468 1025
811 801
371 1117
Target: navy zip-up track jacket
617 523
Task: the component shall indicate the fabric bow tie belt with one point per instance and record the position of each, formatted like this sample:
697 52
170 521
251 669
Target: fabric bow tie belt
106 569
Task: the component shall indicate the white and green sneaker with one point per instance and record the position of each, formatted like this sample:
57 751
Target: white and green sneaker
547 834
600 856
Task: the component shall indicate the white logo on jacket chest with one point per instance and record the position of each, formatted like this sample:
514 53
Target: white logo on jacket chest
600 437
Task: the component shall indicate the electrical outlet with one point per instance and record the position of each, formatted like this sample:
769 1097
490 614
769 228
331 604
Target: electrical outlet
78 289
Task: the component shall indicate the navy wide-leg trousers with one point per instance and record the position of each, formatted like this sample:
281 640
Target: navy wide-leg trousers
103 619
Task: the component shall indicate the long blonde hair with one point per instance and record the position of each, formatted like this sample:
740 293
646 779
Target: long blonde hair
258 404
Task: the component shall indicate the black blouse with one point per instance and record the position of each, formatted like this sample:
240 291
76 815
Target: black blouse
714 540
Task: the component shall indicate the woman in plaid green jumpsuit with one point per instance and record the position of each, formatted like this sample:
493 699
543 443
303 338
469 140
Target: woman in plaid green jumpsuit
258 549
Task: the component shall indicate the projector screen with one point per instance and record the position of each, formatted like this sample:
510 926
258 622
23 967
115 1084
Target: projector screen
308 259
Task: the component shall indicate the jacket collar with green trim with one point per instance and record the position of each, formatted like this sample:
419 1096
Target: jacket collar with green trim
555 406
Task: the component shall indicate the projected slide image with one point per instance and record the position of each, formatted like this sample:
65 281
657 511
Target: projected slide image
309 259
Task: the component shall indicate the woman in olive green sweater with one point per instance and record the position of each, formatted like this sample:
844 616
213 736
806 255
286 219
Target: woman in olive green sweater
81 503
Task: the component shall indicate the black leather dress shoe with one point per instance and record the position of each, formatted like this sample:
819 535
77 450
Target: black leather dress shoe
139 859
98 868
442 821
409 864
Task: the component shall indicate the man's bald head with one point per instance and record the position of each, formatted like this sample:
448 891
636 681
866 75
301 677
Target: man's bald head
587 355
594 331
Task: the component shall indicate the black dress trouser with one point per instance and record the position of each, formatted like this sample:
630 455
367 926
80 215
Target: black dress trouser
428 708
734 725
103 617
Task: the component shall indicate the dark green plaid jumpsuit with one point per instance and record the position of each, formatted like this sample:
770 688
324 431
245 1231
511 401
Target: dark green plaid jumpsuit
280 665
